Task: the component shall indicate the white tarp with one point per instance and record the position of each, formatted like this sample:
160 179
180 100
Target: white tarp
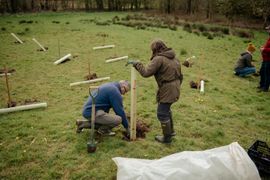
229 162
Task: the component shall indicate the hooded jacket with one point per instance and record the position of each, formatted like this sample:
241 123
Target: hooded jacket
167 71
244 61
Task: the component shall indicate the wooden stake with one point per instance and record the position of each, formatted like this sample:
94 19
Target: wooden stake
89 73
59 48
133 107
8 91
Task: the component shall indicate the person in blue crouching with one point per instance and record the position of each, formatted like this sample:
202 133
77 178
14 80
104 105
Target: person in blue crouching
107 96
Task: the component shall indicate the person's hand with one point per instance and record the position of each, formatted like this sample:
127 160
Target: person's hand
132 62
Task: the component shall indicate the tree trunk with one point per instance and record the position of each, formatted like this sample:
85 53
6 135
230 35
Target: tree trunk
47 5
111 5
7 6
146 5
188 10
100 5
33 5
72 4
210 9
136 4
168 6
87 5
13 5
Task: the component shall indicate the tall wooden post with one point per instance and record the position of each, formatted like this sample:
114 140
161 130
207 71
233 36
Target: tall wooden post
59 48
133 107
89 72
8 91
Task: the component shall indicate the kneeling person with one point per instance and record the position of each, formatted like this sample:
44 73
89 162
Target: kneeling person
244 66
107 96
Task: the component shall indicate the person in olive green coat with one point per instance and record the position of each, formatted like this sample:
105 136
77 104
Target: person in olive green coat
167 71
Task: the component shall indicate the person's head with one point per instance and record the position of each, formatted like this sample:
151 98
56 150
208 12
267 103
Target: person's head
251 48
158 46
124 86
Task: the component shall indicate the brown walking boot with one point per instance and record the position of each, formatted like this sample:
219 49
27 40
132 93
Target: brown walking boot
82 124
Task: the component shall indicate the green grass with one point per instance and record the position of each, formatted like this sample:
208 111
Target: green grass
42 143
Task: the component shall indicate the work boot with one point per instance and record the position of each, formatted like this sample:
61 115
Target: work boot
172 128
105 131
82 124
167 131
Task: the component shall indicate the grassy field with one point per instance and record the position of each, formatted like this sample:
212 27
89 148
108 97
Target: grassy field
42 143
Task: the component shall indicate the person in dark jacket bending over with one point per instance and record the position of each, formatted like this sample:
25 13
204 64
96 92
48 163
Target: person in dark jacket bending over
244 66
167 71
107 96
265 66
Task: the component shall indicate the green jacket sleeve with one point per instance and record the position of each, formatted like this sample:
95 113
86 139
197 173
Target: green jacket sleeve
150 69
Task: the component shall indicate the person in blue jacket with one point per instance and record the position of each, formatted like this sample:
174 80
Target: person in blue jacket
107 96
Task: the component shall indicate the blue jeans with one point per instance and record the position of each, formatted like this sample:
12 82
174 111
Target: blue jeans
265 75
245 71
164 111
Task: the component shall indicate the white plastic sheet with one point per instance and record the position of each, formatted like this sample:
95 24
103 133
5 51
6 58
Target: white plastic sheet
229 162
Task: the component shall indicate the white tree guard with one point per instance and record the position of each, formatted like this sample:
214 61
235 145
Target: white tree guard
89 81
116 59
68 56
103 47
24 107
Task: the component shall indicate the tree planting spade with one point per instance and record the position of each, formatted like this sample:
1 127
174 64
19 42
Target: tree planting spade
91 145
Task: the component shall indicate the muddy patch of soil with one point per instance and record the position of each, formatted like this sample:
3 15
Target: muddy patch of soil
141 129
29 101
42 49
194 85
187 63
90 76
11 104
2 71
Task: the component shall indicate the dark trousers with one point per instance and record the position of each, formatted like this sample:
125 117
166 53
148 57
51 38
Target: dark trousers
164 112
265 75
